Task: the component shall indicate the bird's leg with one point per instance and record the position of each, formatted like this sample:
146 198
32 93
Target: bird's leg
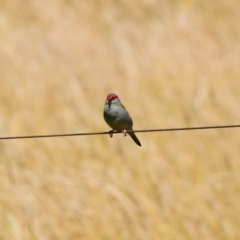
111 133
124 132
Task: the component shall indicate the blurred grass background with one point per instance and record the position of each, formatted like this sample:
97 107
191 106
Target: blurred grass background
173 64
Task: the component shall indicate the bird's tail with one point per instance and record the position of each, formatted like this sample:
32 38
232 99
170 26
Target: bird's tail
135 139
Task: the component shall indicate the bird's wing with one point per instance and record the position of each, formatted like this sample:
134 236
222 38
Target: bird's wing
121 105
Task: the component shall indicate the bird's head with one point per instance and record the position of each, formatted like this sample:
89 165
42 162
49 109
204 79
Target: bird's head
111 97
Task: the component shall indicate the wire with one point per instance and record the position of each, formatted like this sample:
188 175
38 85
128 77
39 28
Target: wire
115 132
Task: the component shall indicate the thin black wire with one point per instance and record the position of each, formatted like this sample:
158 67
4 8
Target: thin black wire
115 132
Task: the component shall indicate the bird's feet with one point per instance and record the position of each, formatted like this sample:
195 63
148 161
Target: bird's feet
111 133
124 132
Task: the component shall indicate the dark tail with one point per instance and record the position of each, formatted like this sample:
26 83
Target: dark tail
135 139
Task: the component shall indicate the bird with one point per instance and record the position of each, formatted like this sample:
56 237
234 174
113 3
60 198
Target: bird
118 118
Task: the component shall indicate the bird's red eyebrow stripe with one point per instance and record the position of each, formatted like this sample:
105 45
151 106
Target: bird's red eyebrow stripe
111 96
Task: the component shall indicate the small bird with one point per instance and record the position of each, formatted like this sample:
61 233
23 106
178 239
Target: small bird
117 117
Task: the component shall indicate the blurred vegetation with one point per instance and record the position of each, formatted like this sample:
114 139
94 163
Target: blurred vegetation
173 64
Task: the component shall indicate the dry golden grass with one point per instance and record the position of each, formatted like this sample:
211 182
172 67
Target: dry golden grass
173 64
